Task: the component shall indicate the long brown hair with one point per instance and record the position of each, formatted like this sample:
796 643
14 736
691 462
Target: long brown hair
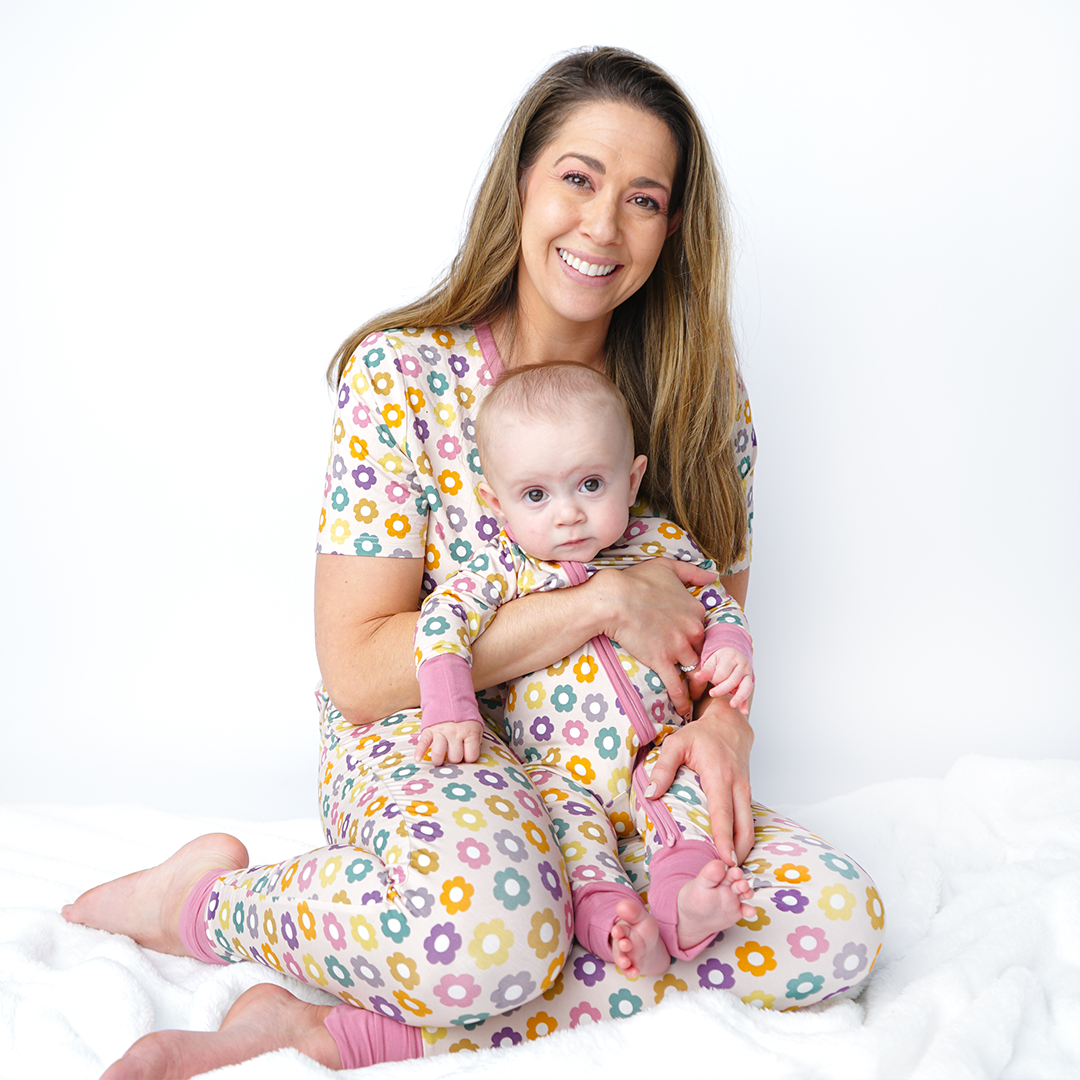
670 346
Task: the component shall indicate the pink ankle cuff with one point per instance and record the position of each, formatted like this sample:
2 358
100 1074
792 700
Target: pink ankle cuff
365 1038
594 915
669 870
193 934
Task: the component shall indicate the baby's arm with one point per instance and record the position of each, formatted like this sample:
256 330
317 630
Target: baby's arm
730 672
727 652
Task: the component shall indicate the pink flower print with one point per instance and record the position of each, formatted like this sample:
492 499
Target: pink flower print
396 491
658 710
588 872
528 802
307 875
416 786
485 376
635 529
575 732
457 990
807 942
326 488
448 447
473 853
410 366
295 970
333 931
785 848
360 415
584 1014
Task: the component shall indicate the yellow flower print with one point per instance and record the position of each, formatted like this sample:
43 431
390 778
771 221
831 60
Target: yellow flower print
585 669
593 831
874 909
499 582
553 796
755 958
746 411
414 1005
560 667
574 851
836 902
398 526
757 866
432 1035
553 978
503 807
445 414
465 397
341 898
552 757
670 531
403 969
415 397
339 430
348 366
555 989
431 557
622 824
699 818
394 415
759 999
359 382
535 835
759 923
581 770
620 781
536 1027
271 957
329 871
472 346
322 519
420 808
491 943
411 331
358 448
444 339
449 482
424 861
791 874
462 1045
511 698
423 463
345 996
305 920
270 926
668 982
535 695
363 932
382 383
456 895
470 819
652 550
224 914
545 935
392 463
629 664
340 531
313 970
365 511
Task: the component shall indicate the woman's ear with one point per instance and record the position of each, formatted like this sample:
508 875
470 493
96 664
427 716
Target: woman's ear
637 471
489 496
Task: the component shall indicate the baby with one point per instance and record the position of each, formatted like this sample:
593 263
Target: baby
558 453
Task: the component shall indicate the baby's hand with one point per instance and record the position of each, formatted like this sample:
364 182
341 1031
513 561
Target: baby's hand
730 672
453 741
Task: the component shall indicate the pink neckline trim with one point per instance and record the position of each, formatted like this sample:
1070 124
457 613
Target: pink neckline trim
490 352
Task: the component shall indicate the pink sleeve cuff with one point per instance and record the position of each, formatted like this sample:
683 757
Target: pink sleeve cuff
726 635
446 691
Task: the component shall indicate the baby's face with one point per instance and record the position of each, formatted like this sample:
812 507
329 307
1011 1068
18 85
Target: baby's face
564 489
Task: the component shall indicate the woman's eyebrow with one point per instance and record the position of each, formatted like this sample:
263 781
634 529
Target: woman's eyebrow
638 181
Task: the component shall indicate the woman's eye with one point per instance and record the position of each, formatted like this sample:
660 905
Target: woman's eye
592 485
646 202
534 495
577 179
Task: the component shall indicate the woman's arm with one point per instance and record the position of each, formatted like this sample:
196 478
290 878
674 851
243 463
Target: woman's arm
366 611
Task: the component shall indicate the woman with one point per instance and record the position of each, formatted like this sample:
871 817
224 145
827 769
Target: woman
598 237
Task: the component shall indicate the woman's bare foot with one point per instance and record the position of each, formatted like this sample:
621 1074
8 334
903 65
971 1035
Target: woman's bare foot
146 905
635 941
264 1018
716 899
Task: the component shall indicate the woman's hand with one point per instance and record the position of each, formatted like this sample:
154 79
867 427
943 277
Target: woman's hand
717 747
655 619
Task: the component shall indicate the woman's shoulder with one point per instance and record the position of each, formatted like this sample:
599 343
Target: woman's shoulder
430 342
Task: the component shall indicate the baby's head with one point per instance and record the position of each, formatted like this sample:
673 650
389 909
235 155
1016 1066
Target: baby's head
557 449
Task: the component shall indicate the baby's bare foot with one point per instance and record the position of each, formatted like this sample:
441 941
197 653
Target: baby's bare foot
146 905
635 941
716 899
263 1018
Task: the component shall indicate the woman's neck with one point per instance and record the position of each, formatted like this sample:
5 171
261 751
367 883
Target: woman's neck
538 341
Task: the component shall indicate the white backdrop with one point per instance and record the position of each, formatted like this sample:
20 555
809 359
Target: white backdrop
199 201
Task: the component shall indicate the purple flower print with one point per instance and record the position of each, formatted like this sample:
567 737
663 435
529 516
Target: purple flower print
456 517
429 354
421 428
458 364
338 467
713 975
343 396
595 707
442 944
506 1037
387 1008
790 900
490 778
419 902
542 729
363 476
513 990
253 922
589 969
549 878
487 528
849 961
578 809
427 830
288 930
511 845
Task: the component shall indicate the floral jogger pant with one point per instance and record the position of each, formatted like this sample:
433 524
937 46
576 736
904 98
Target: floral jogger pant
441 900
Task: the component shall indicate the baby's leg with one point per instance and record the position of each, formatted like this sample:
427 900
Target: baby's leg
609 918
693 894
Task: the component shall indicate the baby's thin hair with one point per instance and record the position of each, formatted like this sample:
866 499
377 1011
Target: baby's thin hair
551 393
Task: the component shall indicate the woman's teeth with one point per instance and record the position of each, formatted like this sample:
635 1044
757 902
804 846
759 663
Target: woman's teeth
582 267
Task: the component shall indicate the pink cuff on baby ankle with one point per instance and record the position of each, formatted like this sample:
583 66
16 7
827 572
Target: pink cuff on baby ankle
595 915
669 870
193 919
365 1038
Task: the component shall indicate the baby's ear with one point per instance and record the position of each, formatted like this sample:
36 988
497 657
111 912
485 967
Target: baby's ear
489 496
637 471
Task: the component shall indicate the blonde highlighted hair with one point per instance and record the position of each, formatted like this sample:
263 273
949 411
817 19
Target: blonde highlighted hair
670 346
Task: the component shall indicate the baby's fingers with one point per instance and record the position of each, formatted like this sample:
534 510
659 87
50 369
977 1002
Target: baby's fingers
740 699
422 743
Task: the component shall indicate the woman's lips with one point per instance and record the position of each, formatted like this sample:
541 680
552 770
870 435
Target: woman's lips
584 268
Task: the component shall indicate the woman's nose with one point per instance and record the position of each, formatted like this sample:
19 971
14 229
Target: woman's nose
600 220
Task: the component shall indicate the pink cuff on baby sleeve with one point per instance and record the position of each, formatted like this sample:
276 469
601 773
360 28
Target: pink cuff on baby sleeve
727 635
446 691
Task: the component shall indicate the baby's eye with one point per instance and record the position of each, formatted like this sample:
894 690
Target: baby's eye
592 485
534 495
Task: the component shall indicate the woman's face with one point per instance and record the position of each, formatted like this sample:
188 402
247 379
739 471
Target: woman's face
595 216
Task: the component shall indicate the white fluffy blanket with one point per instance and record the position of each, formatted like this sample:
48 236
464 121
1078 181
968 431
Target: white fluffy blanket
980 975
